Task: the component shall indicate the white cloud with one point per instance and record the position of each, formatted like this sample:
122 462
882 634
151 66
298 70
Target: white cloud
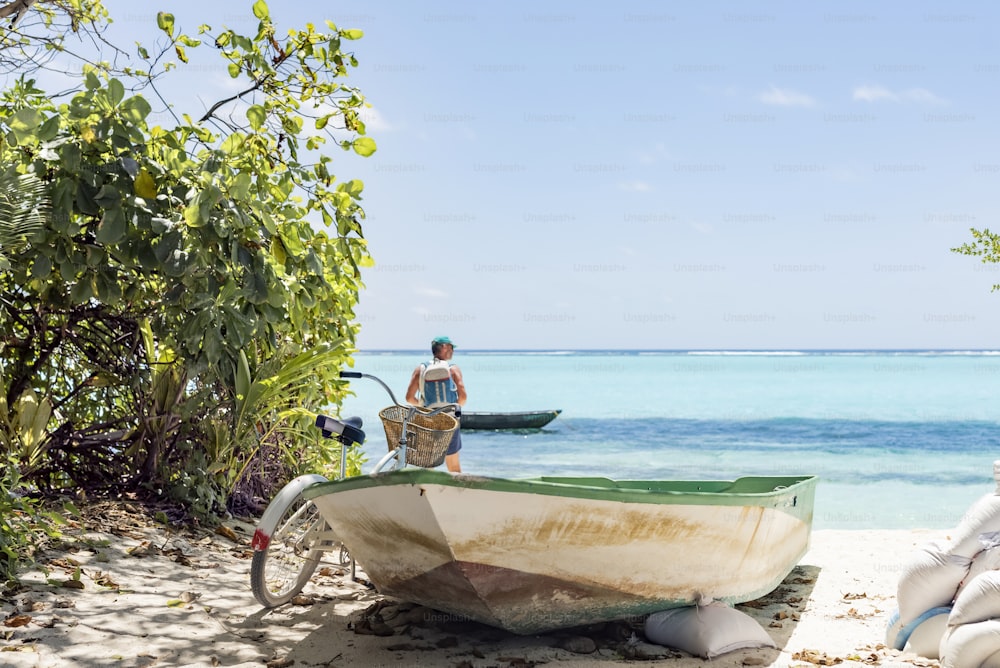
430 292
923 95
635 187
875 93
782 97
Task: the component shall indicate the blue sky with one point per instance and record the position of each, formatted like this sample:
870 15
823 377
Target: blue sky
667 175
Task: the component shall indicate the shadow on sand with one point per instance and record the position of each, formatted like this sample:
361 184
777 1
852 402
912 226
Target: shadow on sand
391 632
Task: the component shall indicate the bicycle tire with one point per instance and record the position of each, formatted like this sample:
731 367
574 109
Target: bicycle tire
285 556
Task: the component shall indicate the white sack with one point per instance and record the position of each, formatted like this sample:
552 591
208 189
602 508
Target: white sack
970 645
987 560
925 640
706 631
922 636
983 517
978 601
930 580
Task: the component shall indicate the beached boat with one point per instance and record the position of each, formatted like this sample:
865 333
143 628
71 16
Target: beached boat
554 552
509 420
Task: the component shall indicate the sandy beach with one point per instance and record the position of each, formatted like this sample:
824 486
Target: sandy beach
120 590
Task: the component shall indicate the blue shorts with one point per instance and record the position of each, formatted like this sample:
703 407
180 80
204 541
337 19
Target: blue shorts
456 443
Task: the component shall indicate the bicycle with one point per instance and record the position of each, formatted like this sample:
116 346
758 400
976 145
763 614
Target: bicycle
291 537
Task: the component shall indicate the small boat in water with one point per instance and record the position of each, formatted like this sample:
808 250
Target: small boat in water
554 552
508 420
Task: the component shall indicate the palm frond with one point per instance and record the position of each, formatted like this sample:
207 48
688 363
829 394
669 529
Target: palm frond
24 208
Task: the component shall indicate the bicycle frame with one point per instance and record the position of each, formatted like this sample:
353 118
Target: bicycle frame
291 537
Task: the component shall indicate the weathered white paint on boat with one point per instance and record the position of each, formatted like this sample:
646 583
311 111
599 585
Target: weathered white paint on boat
533 555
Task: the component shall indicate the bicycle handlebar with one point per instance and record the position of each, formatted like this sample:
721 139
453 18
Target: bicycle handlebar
358 374
456 408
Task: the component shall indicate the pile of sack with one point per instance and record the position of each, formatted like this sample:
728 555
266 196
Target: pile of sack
948 596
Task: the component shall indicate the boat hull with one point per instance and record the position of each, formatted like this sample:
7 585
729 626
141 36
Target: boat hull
472 420
548 553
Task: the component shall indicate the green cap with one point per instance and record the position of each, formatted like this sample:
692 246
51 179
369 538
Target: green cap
443 339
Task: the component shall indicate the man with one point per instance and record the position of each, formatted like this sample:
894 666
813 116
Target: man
436 383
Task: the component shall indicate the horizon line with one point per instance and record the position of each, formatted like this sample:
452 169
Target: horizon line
682 350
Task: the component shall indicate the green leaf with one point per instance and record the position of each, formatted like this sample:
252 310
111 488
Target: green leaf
145 186
278 251
95 256
117 91
176 264
85 199
160 224
212 345
240 186
260 10
108 289
192 214
256 115
24 122
255 288
291 242
82 291
234 70
354 187
107 196
268 222
41 267
165 22
146 258
242 377
353 33
199 210
71 155
112 227
363 146
48 130
135 109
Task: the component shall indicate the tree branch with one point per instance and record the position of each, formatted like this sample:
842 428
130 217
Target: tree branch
256 86
211 112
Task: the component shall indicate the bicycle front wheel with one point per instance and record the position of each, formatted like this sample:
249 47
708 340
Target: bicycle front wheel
288 545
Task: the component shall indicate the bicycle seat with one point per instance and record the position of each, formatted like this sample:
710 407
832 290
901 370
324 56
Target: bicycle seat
347 431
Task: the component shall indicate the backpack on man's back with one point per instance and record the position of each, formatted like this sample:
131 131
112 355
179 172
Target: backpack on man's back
436 385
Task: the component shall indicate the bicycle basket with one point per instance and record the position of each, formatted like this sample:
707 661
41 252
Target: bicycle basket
427 436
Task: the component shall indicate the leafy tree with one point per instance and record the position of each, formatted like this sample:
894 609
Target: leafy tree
984 245
189 299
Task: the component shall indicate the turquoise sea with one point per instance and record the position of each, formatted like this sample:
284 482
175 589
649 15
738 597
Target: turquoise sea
900 439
